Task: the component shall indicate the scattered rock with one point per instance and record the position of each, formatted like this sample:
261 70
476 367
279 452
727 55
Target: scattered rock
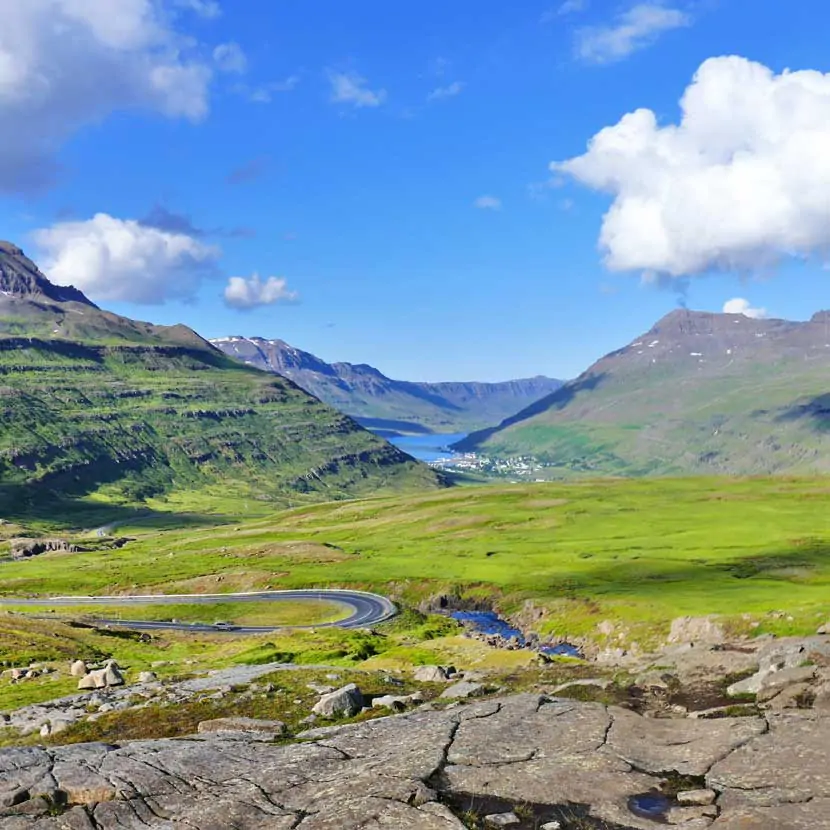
431 674
696 798
696 630
463 689
78 669
777 681
265 729
345 702
501 820
147 677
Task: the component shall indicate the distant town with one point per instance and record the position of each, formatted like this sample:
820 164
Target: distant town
525 467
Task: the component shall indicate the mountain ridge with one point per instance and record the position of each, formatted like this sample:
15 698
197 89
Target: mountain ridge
97 405
365 393
699 392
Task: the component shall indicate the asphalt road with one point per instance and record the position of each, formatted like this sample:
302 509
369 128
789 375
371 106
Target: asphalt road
366 609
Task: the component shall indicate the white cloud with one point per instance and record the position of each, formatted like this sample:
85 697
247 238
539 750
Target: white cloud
740 182
230 58
564 9
204 8
449 91
739 305
350 88
632 30
122 260
252 292
488 203
264 93
67 63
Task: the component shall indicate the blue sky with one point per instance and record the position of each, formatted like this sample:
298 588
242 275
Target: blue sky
385 169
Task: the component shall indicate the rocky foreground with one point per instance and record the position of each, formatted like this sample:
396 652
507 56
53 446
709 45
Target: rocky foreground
528 761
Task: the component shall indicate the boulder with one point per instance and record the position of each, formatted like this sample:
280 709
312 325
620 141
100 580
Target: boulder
264 729
104 678
463 689
501 820
696 798
775 682
78 669
431 674
147 677
345 702
696 630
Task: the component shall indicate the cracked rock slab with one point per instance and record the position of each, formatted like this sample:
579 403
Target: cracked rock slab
687 746
389 773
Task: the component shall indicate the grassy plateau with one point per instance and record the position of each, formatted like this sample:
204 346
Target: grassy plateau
639 552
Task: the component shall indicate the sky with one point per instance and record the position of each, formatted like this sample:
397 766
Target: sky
475 190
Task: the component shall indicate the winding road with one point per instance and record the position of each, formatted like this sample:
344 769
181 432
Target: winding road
366 609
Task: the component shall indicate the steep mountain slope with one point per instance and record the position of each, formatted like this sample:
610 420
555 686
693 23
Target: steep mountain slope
94 403
380 402
698 393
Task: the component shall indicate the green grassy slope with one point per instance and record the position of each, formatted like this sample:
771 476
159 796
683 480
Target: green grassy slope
698 394
134 420
636 552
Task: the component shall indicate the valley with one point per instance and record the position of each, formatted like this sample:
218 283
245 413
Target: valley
390 407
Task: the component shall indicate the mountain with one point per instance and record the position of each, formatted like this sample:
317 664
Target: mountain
698 393
382 403
93 404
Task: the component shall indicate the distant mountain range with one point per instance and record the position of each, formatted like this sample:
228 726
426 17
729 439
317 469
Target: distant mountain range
698 393
381 403
94 404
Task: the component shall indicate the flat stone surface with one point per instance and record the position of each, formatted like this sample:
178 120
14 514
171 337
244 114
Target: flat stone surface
387 773
688 746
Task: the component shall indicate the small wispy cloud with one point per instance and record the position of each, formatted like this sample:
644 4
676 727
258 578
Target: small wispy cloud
449 91
738 305
264 93
488 203
230 58
204 8
351 88
631 31
253 292
564 9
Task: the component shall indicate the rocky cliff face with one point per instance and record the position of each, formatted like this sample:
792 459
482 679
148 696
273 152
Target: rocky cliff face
363 392
19 276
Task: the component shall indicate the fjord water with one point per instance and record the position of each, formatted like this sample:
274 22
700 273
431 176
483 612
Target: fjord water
433 447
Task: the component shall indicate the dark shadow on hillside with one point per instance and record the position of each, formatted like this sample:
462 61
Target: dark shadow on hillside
555 401
639 577
23 505
816 410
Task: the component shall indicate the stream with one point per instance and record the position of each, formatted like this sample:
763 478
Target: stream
491 624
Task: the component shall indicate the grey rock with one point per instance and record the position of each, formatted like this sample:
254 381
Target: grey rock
696 630
431 674
687 746
501 820
462 689
345 702
269 728
147 677
696 798
374 774
777 681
